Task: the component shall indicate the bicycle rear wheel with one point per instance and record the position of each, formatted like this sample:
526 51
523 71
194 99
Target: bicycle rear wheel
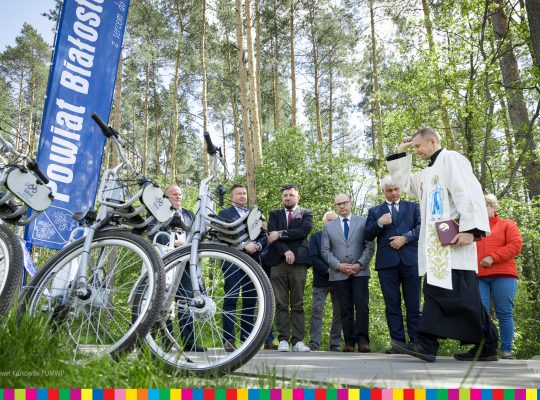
11 268
238 297
103 322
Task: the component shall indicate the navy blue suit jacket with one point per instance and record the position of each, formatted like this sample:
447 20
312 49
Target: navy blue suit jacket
407 224
319 264
230 214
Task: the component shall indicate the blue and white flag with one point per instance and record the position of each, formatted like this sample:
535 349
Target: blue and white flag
81 82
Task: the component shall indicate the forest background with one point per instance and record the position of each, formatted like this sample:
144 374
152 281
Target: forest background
317 93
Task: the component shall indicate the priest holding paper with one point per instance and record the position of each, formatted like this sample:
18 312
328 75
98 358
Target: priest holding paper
448 192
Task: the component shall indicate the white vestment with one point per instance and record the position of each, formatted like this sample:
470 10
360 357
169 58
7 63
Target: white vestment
446 190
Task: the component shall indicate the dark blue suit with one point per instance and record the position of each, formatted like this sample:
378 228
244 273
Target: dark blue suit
398 267
236 280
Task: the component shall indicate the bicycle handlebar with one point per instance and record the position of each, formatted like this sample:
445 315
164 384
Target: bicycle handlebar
33 165
210 147
108 131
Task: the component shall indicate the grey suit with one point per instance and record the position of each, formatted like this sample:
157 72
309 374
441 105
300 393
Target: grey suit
352 291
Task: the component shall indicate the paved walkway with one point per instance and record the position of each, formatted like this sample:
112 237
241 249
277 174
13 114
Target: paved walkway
393 371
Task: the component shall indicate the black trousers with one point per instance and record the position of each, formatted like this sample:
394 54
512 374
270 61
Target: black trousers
353 297
394 281
456 314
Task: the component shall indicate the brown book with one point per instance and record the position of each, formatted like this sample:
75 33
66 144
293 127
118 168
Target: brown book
447 230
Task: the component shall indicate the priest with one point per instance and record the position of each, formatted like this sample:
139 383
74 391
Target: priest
447 190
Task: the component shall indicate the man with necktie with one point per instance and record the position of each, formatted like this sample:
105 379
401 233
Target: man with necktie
288 257
348 254
235 280
396 225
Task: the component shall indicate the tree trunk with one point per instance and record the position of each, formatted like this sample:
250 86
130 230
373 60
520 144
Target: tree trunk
224 137
293 70
19 113
378 130
275 86
174 94
507 134
176 115
258 63
248 146
31 133
533 16
204 88
234 107
315 58
117 116
145 133
331 108
157 166
447 133
517 109
253 90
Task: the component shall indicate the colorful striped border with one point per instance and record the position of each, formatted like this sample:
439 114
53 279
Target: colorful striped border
269 394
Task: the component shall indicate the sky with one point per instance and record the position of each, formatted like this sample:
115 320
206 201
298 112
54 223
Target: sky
16 12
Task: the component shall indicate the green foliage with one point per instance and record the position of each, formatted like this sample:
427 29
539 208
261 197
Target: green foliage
291 158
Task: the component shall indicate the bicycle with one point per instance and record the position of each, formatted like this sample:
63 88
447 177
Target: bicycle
88 286
195 275
26 189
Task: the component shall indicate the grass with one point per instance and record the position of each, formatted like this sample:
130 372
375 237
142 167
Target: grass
31 357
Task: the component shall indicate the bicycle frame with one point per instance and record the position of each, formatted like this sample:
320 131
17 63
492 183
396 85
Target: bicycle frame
110 199
202 223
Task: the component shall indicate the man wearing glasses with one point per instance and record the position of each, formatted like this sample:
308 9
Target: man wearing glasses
348 255
288 255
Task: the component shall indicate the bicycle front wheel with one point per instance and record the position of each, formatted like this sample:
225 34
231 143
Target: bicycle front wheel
229 328
102 321
11 268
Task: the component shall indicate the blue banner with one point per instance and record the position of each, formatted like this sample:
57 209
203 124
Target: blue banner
81 81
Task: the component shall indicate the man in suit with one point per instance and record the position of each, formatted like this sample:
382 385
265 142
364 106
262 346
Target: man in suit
396 225
235 279
321 288
348 254
288 256
175 238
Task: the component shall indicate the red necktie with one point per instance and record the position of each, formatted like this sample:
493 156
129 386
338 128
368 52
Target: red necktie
289 217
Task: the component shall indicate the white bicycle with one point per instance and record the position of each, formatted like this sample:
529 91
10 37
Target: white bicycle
23 189
208 284
88 287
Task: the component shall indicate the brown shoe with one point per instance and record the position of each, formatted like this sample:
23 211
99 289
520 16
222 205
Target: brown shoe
348 349
364 348
270 346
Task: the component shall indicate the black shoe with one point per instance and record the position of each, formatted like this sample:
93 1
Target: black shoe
270 346
391 351
412 350
474 355
335 348
229 347
194 348
313 346
364 348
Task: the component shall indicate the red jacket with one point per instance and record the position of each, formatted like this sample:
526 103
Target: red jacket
503 245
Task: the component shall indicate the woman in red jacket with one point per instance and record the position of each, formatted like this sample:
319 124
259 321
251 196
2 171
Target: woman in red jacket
497 271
